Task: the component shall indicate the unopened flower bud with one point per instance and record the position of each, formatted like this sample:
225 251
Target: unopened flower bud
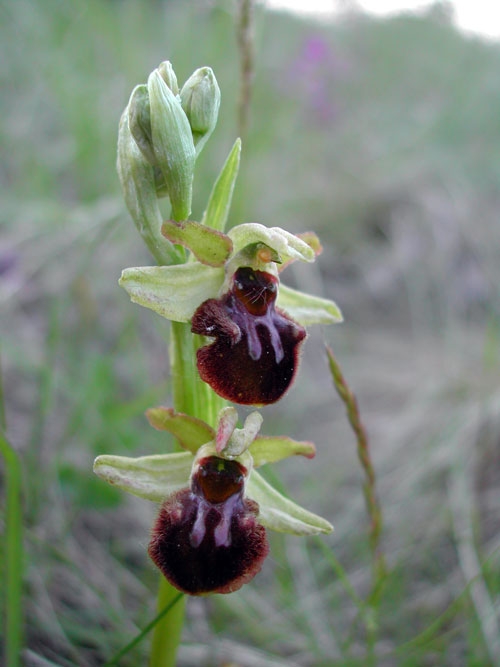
139 120
200 99
168 75
172 144
139 188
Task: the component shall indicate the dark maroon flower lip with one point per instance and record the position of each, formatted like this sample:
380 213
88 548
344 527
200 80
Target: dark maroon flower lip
207 539
255 355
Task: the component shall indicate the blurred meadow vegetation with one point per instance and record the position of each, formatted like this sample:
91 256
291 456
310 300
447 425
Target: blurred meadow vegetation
383 137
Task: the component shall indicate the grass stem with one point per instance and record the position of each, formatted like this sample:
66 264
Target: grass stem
13 565
246 50
373 508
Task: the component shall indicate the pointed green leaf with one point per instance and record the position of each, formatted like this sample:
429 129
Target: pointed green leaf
208 245
149 477
219 202
174 292
269 449
280 513
191 432
306 308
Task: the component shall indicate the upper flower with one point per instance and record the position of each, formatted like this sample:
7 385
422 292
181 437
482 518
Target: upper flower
232 292
210 532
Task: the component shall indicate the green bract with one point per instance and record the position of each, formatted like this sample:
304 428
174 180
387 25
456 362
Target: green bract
157 477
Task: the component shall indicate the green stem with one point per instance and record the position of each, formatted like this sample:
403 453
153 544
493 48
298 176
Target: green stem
195 398
167 631
13 555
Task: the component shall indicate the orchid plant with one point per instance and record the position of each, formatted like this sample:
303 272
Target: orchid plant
236 334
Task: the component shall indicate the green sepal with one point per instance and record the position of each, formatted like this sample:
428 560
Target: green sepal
307 308
191 432
174 292
270 449
287 245
150 477
219 202
209 246
281 514
173 144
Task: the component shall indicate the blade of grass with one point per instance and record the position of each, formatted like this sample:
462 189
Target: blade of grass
13 555
461 505
340 572
430 632
116 659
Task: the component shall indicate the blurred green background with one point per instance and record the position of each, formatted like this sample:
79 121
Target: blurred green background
383 137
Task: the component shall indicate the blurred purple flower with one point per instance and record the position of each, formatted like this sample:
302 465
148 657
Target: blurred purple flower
316 72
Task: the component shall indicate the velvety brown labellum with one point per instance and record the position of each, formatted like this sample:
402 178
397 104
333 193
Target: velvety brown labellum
206 539
255 354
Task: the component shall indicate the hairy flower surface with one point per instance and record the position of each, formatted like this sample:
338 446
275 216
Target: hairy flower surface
209 536
232 293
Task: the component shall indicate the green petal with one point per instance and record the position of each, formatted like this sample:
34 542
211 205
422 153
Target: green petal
271 449
219 202
174 292
149 477
242 438
306 308
280 513
191 432
226 423
287 245
209 246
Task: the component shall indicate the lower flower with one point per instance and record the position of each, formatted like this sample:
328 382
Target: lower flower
210 533
206 539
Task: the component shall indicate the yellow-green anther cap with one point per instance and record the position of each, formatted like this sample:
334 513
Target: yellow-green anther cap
168 75
200 99
172 143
